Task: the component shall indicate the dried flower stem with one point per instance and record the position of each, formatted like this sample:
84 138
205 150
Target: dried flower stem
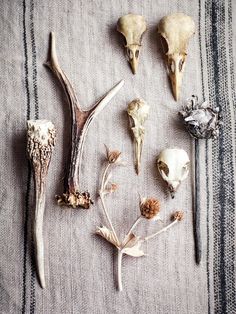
81 121
136 222
149 209
202 121
160 231
119 270
102 194
197 212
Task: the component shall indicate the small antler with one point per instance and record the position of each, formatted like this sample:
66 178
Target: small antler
81 121
41 138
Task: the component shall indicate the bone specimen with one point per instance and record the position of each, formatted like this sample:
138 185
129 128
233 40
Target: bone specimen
176 29
41 138
149 209
202 121
138 111
81 121
132 27
173 165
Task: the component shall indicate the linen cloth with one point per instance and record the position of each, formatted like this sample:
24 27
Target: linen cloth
80 267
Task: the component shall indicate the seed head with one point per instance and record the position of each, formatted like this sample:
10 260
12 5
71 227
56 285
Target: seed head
150 208
178 215
201 120
112 156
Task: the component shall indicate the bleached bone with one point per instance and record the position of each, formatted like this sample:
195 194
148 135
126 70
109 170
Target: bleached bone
176 29
173 165
41 138
132 27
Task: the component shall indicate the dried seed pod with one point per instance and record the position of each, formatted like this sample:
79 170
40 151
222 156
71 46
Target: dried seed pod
138 111
201 120
176 29
173 165
132 27
113 156
41 139
178 215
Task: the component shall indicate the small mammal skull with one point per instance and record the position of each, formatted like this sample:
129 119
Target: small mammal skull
132 27
173 165
176 29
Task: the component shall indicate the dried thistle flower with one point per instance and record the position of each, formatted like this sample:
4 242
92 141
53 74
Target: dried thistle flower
132 27
40 143
176 29
178 215
201 120
150 208
138 111
81 121
131 244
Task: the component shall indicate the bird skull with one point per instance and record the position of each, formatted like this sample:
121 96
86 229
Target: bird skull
138 111
132 27
173 165
176 29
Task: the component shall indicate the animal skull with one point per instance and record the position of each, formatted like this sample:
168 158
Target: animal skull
138 111
173 165
132 27
176 29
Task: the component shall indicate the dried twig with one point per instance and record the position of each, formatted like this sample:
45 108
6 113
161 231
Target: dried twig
41 137
81 121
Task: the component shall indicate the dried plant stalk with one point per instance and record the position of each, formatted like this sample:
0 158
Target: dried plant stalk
202 121
41 139
81 121
149 209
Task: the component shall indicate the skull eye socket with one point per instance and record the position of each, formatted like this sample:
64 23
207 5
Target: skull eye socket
163 167
164 44
136 54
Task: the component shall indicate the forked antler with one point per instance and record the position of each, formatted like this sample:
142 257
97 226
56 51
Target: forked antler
81 121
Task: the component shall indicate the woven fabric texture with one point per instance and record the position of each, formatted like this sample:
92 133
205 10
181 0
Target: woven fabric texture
80 267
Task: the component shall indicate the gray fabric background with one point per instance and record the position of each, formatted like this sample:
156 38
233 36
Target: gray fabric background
80 267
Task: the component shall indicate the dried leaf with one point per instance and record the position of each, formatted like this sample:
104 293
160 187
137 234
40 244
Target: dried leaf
131 246
134 250
108 235
130 240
